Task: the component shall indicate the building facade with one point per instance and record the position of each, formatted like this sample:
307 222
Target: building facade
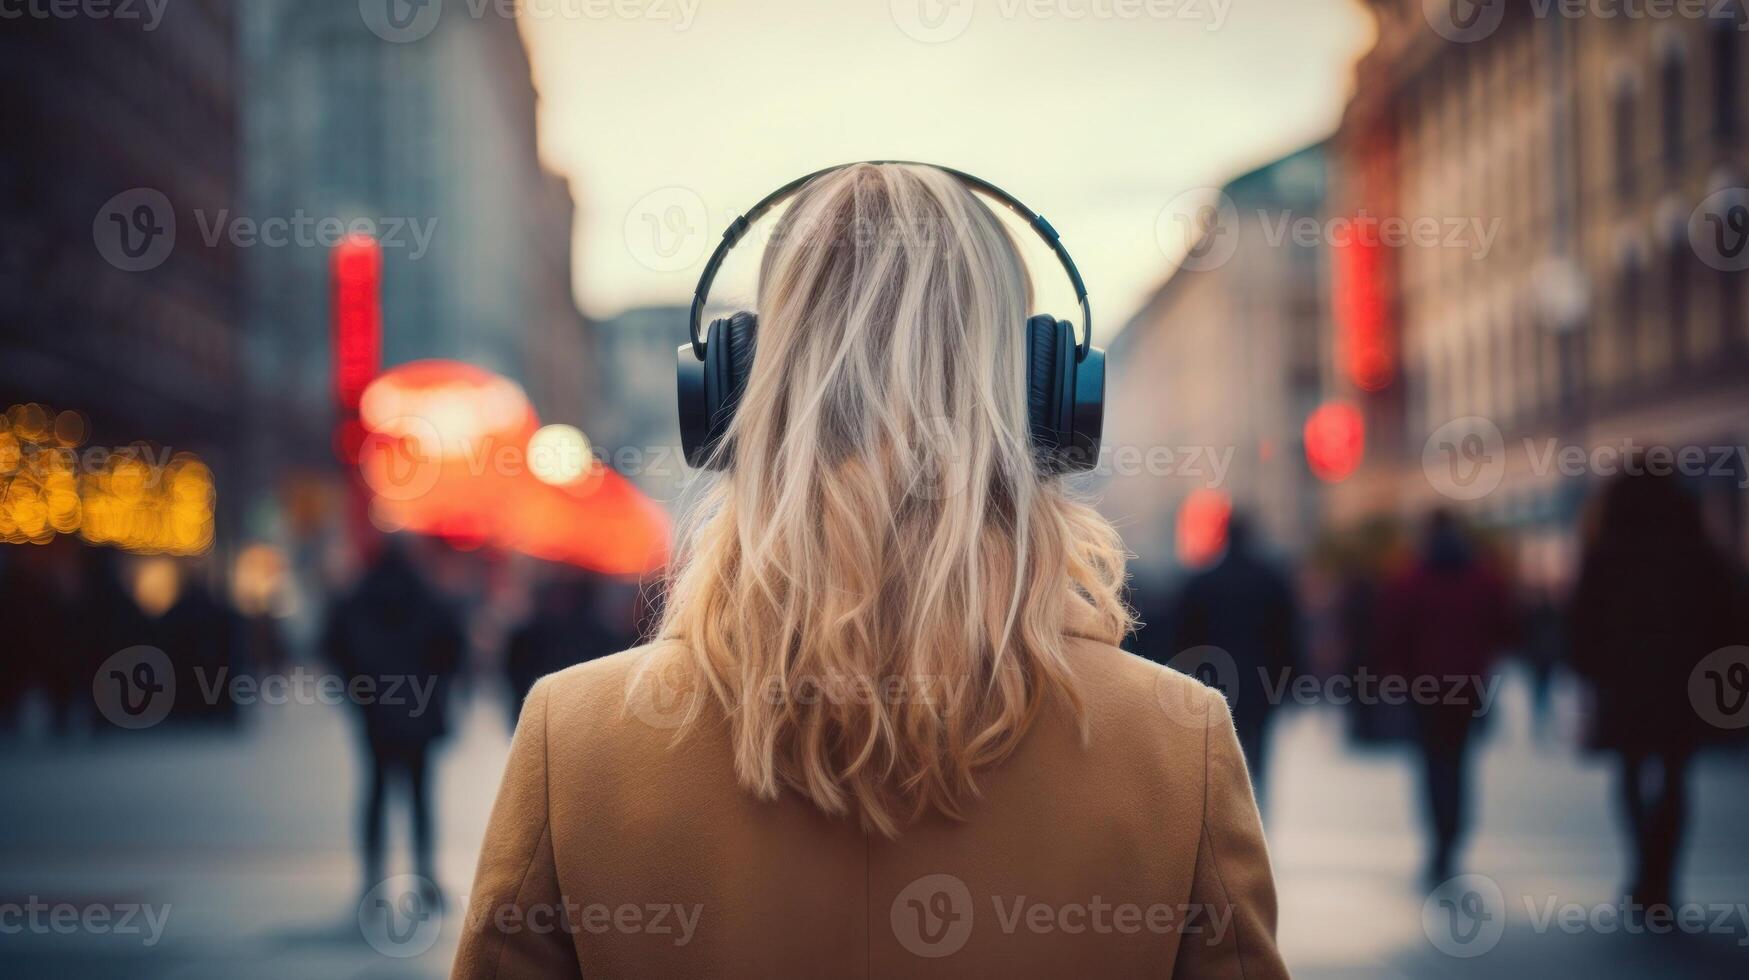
426 138
1572 303
1213 380
120 134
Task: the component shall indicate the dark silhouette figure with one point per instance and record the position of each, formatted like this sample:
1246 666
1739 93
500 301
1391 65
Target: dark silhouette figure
395 638
202 635
567 627
100 618
1653 598
1446 616
38 619
1245 606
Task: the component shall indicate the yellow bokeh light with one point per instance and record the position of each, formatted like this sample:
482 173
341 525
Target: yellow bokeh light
120 498
559 454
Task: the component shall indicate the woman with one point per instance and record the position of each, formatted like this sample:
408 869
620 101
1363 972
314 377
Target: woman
884 730
1654 598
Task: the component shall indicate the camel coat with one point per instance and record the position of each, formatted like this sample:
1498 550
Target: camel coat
616 851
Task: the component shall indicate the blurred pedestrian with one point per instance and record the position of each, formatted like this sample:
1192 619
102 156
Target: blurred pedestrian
38 620
203 637
399 645
1653 598
566 627
1245 606
1445 617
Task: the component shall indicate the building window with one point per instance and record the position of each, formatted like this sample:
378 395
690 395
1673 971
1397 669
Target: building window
1730 299
1670 85
1628 330
1727 69
1676 301
1622 109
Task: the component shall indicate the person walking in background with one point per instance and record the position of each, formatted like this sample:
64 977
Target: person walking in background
203 636
1445 616
567 627
1246 607
1653 598
395 637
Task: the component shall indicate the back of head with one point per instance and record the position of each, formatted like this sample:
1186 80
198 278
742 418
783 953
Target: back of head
878 592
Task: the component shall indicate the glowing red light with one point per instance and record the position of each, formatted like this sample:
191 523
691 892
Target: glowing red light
1364 328
1202 526
1335 436
358 317
447 456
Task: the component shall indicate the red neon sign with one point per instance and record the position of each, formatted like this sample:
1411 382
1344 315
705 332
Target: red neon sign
358 318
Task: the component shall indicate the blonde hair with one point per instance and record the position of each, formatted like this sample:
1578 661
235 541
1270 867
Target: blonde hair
879 591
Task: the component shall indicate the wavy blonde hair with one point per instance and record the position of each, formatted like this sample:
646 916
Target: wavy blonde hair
879 591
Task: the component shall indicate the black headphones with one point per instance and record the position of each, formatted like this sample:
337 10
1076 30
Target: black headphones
1065 381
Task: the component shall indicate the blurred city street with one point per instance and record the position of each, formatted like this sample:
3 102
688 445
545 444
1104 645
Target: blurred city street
340 336
249 841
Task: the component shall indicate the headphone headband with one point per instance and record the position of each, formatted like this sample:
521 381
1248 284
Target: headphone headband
738 229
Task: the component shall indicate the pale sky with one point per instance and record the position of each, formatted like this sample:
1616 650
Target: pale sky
671 117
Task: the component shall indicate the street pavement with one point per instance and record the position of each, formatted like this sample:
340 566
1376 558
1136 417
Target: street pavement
240 846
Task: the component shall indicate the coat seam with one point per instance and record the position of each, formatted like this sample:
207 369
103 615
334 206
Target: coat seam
545 830
1208 838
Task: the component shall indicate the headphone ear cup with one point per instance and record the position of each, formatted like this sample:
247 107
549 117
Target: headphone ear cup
729 346
1043 380
1088 409
1051 371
